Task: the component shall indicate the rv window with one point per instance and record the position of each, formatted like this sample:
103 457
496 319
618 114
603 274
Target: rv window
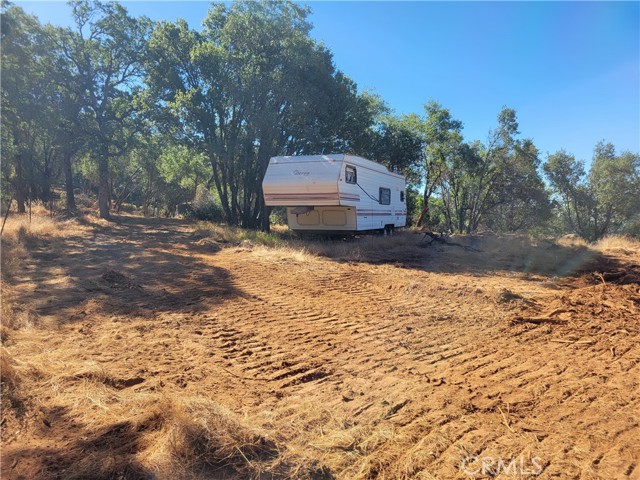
402 195
350 174
385 196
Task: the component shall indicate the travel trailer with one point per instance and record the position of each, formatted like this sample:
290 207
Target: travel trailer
336 194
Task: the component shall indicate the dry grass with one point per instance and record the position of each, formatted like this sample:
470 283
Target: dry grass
173 437
572 240
225 234
21 235
115 430
515 253
364 248
12 398
8 376
619 245
201 436
119 433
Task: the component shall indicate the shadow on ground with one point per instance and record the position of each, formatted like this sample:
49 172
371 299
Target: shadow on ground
478 255
128 267
112 452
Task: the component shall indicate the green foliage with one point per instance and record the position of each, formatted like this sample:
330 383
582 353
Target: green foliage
278 216
161 115
507 193
398 144
496 186
103 58
437 215
518 199
414 204
28 118
206 207
614 181
230 234
250 85
443 139
602 202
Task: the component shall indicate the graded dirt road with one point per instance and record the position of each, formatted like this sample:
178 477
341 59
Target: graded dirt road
405 362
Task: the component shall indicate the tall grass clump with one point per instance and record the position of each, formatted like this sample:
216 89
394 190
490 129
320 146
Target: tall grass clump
619 244
226 234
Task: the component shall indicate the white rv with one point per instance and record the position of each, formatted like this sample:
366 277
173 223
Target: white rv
336 193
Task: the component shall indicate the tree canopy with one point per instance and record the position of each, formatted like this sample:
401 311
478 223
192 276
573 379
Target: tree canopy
159 113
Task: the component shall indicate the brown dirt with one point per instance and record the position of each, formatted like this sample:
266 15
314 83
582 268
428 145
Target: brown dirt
398 364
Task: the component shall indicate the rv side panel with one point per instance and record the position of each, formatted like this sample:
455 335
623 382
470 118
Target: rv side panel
382 194
323 219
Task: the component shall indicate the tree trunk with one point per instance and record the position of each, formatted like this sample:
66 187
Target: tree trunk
265 225
425 207
45 183
21 194
103 187
68 182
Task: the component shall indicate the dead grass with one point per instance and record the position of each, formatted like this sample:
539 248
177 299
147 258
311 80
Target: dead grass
572 240
9 376
173 437
619 245
559 257
112 429
12 398
21 235
201 436
118 433
365 247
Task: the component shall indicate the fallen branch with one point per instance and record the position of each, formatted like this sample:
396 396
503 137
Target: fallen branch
555 312
573 342
440 238
538 320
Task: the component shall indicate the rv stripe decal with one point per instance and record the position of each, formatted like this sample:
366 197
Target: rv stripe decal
306 197
381 212
376 214
342 195
301 197
303 193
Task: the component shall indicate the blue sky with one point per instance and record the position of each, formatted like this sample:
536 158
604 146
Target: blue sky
569 69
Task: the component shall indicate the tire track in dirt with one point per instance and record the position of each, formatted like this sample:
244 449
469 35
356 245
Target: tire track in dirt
368 344
321 331
427 367
427 355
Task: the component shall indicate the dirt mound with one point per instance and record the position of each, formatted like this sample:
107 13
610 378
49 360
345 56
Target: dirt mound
620 276
604 314
604 267
119 281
